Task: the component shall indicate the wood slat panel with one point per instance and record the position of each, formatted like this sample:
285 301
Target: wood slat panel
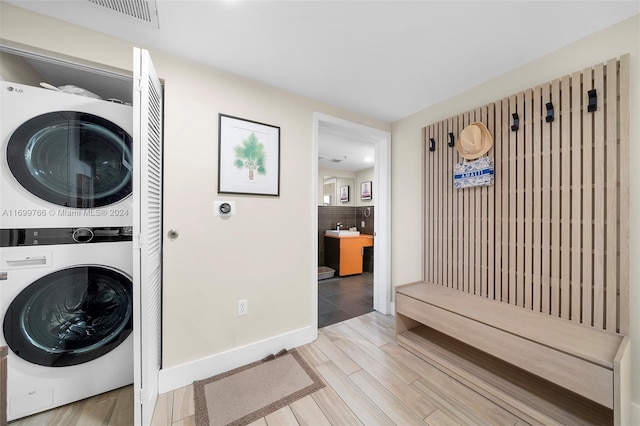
513 206
490 235
565 209
455 214
520 196
576 195
528 145
436 202
482 246
442 155
440 201
611 112
546 206
436 205
556 195
497 137
450 214
551 234
599 203
477 218
470 223
444 184
506 175
429 261
624 114
537 199
425 204
587 201
434 196
467 230
434 219
461 227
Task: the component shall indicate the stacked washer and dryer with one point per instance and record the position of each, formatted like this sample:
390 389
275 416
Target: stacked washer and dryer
66 265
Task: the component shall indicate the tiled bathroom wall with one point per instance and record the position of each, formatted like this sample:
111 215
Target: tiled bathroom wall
329 216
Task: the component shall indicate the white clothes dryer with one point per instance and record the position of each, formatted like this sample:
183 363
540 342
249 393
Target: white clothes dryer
67 315
66 159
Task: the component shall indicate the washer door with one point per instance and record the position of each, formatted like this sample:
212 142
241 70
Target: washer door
72 159
70 316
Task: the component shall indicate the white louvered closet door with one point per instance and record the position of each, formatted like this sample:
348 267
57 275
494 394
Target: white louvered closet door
147 232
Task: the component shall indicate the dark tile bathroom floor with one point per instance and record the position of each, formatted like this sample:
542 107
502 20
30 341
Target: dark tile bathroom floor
345 297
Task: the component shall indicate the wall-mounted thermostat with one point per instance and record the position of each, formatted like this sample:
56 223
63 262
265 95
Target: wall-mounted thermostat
224 208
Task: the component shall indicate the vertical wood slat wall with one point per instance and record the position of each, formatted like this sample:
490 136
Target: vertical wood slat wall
551 234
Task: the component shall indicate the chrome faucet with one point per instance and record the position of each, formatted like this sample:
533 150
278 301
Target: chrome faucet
338 225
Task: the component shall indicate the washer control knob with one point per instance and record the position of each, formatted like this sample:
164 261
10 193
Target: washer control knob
82 235
173 234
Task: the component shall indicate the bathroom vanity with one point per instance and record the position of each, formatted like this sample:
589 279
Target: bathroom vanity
344 251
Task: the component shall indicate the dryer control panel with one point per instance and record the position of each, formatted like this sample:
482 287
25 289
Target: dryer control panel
54 236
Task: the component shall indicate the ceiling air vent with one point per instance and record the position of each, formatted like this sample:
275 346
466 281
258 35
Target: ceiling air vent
138 9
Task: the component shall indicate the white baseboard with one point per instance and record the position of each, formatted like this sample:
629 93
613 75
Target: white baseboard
635 414
182 375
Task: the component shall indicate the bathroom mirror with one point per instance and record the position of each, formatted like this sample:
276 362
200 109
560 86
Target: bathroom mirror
331 188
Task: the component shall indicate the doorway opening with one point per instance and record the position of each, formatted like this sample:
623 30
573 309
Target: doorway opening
364 194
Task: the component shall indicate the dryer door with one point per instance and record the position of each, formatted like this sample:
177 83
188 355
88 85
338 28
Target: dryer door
72 159
70 316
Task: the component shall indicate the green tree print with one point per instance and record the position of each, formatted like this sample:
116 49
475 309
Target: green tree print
250 155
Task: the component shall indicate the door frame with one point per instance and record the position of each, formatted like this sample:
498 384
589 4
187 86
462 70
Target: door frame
382 224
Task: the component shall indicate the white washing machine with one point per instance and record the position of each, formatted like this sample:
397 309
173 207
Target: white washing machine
66 159
67 314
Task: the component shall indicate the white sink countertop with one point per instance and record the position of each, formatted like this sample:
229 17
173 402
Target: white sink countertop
341 233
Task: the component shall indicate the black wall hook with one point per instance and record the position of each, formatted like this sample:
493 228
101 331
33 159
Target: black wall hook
432 144
516 122
550 113
593 100
452 140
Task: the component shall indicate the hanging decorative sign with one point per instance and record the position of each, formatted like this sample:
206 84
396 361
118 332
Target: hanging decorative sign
473 173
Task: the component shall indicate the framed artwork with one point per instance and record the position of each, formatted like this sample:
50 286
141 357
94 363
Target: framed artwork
344 194
365 190
248 157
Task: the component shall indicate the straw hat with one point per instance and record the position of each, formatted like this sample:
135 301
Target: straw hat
474 141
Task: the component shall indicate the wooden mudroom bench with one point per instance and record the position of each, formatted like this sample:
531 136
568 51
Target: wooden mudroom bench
589 362
524 293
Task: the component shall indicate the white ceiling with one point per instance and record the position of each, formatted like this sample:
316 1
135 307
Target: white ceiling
346 149
383 59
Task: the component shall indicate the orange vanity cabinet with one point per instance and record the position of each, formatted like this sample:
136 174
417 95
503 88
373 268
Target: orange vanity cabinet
344 254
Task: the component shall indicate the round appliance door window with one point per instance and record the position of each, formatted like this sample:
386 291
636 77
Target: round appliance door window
70 316
72 159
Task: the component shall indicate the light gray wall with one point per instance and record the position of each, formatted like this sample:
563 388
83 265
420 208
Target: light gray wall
215 262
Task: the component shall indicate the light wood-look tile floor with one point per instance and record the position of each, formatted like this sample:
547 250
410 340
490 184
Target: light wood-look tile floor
370 381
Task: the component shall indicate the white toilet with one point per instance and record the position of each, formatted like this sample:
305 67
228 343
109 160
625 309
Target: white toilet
325 272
